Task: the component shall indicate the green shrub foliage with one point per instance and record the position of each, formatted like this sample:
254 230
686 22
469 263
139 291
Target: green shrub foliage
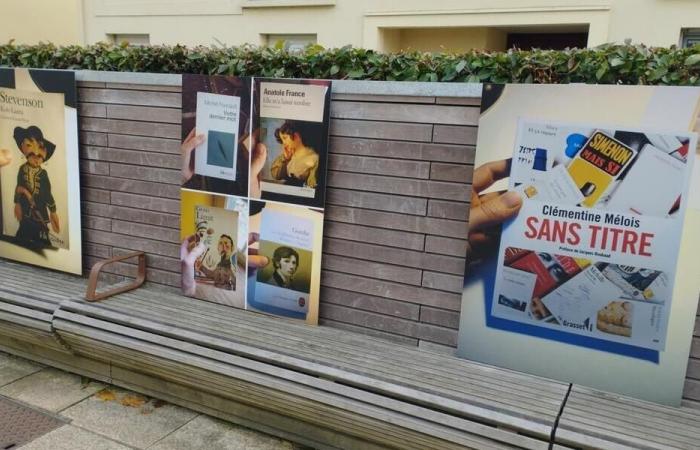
607 64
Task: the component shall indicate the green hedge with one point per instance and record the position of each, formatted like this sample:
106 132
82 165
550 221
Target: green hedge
621 64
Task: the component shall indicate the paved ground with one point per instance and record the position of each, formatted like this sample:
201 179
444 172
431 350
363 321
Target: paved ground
103 417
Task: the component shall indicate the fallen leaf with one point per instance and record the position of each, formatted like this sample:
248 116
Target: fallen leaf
106 395
133 401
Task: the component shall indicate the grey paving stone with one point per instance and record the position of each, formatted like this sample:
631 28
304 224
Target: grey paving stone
128 417
72 438
13 368
51 389
208 433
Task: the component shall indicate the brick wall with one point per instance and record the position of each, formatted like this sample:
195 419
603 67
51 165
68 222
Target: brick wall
398 188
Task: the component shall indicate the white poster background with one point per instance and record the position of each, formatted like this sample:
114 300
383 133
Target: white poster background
666 108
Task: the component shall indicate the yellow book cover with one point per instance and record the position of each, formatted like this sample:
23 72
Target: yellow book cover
601 161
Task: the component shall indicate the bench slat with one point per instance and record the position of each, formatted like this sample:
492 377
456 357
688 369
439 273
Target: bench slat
230 375
394 390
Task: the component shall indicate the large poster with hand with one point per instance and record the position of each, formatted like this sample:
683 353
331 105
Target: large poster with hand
253 176
581 220
39 220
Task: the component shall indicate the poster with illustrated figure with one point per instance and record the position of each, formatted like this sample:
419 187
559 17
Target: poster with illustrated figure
39 220
254 168
291 122
579 227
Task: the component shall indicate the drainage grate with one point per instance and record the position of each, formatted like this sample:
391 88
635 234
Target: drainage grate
20 424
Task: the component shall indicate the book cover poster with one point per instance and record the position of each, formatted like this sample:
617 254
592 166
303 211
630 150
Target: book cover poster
291 124
39 221
213 251
288 239
577 223
216 123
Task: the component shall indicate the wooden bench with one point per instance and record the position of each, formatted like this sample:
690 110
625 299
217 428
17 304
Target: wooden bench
27 305
594 419
319 386
322 387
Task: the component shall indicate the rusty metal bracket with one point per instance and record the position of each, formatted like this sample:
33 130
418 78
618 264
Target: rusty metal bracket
92 295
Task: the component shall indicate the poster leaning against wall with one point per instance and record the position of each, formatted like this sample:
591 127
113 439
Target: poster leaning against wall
39 220
583 225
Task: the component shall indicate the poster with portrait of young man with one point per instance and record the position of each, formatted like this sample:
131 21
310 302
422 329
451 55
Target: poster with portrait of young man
39 220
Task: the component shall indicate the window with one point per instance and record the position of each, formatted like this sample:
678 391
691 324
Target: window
690 37
132 39
292 42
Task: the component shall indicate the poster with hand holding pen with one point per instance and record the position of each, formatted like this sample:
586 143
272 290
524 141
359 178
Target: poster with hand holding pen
254 170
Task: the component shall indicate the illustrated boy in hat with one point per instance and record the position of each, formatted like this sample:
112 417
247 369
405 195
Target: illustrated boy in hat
35 207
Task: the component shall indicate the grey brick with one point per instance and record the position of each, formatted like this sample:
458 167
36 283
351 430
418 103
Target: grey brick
439 335
396 339
143 173
97 250
407 113
146 202
154 261
92 138
691 390
90 84
94 209
382 202
94 195
96 223
437 348
470 101
380 271
460 173
389 167
150 144
696 331
382 130
130 97
132 243
402 257
147 217
693 369
441 317
163 130
94 167
92 110
388 185
370 303
695 348
147 231
392 238
446 246
144 113
416 224
383 98
391 290
141 158
448 210
443 282
368 319
451 134
143 87
133 186
461 154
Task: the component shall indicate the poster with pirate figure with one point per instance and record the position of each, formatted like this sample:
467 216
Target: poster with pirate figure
35 206
39 220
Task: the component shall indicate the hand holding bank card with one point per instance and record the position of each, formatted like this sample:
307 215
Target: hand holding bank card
611 200
217 119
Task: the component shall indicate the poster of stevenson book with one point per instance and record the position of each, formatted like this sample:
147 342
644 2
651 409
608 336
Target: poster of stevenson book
39 221
583 236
